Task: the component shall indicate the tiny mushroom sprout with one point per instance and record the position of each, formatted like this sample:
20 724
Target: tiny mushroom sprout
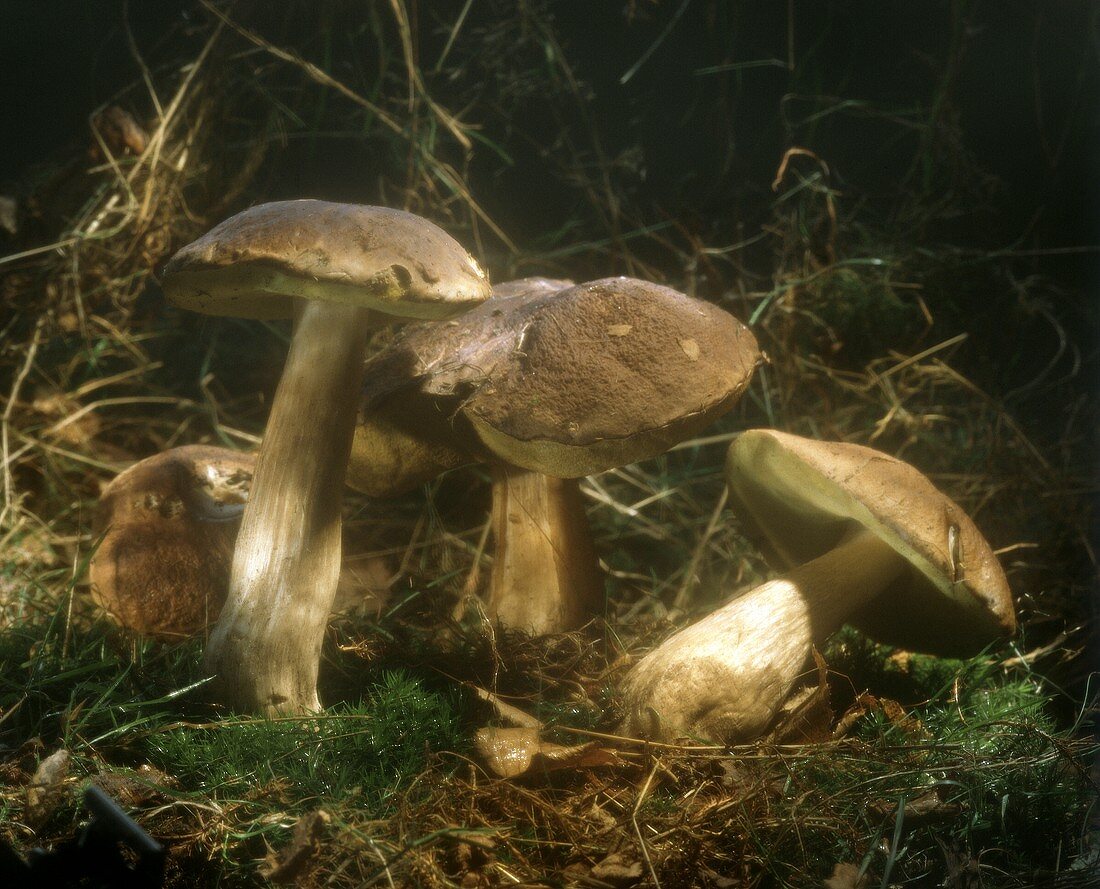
336 269
548 383
167 526
874 544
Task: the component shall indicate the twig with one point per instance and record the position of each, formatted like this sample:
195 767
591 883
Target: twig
637 829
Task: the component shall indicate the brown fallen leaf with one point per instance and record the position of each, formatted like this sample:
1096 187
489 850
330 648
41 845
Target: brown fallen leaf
134 789
119 132
291 863
847 876
617 870
806 717
891 709
512 752
47 788
927 808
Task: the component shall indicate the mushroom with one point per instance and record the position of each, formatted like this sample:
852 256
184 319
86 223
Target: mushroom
546 386
167 526
876 545
331 267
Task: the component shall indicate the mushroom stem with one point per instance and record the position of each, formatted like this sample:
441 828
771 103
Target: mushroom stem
725 677
545 577
265 649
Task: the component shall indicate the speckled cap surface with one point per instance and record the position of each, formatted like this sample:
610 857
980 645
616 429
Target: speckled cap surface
257 263
798 497
410 426
608 373
568 381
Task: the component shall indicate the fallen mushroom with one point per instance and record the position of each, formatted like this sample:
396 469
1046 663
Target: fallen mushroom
166 528
546 387
331 267
168 524
876 545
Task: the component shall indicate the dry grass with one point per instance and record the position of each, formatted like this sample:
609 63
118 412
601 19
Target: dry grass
865 345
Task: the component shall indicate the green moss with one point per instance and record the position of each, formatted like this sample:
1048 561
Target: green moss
367 750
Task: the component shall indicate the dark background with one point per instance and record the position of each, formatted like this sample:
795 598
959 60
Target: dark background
1023 89
967 129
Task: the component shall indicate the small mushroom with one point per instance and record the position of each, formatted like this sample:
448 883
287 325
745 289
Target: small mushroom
332 267
166 528
875 545
547 386
168 524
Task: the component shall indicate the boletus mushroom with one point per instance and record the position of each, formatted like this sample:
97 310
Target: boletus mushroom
875 545
335 268
168 524
547 385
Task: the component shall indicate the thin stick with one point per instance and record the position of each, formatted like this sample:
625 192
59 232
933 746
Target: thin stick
13 396
638 830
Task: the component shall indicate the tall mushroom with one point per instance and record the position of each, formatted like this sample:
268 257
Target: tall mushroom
876 545
548 386
168 524
332 267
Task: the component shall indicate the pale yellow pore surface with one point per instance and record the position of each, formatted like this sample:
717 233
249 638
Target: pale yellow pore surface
797 497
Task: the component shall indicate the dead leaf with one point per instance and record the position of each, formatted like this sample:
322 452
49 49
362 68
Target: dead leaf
928 808
617 870
891 709
847 876
134 789
291 863
119 131
47 788
465 861
512 752
806 717
9 215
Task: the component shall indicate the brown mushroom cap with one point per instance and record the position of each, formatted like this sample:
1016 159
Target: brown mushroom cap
255 264
168 524
799 497
608 373
410 429
566 382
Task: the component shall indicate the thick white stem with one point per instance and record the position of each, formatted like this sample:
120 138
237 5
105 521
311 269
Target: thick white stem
265 649
725 677
545 577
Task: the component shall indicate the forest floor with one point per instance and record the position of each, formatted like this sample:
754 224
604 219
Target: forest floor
897 768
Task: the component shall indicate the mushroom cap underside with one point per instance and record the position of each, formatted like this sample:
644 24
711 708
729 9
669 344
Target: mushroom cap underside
258 263
568 382
798 497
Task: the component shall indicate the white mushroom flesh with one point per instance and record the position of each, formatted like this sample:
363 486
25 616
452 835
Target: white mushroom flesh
265 650
725 677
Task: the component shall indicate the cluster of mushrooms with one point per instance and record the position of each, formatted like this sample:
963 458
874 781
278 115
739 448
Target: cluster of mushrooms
544 382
